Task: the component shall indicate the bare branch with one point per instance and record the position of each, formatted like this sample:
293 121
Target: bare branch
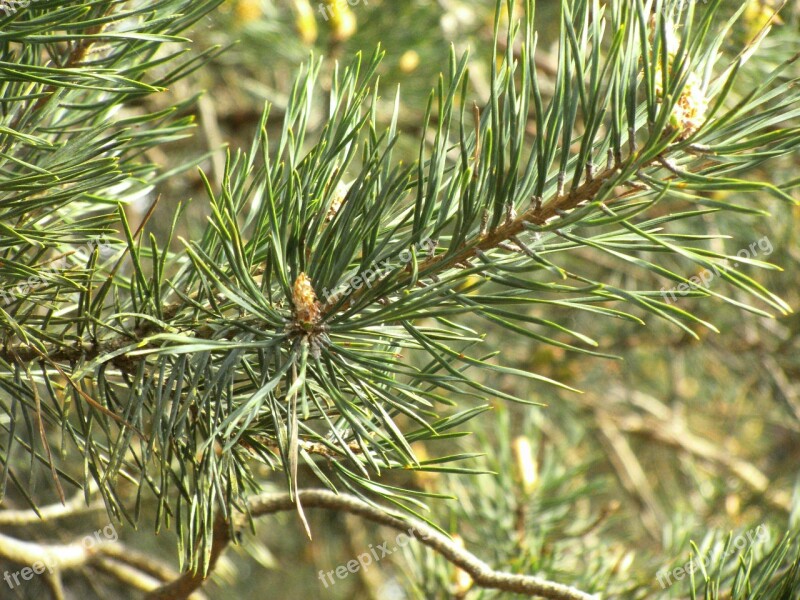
76 505
183 586
125 565
482 574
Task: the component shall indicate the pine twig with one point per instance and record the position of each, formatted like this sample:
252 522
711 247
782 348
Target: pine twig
125 565
482 574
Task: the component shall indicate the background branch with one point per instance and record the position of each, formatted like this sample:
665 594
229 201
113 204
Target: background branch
127 566
482 574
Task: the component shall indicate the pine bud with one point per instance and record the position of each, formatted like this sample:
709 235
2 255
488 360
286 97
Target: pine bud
305 22
339 194
689 112
670 40
247 10
759 14
409 61
526 469
342 20
306 305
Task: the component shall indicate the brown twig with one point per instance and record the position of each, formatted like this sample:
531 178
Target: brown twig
631 473
76 56
183 586
663 425
125 565
76 505
482 574
537 214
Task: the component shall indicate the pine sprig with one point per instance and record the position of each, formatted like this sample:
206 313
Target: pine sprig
317 322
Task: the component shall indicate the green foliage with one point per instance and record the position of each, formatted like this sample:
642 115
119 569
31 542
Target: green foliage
328 316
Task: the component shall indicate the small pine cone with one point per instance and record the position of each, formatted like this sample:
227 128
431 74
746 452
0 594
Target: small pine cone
342 20
671 41
339 194
526 468
689 112
306 305
306 22
247 11
691 108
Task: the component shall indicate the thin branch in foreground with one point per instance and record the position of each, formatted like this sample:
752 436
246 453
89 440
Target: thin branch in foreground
126 566
482 574
75 505
182 587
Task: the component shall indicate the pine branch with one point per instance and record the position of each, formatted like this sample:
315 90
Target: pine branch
482 574
127 566
77 504
247 365
182 587
538 214
75 58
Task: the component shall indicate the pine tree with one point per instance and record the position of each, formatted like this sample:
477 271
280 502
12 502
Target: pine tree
327 322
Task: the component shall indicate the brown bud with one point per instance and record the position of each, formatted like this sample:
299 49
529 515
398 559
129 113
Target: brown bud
526 468
306 305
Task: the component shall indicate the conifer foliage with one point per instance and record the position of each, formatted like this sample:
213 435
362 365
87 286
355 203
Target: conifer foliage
327 320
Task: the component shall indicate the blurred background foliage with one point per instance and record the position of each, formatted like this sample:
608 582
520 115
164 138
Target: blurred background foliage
678 440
